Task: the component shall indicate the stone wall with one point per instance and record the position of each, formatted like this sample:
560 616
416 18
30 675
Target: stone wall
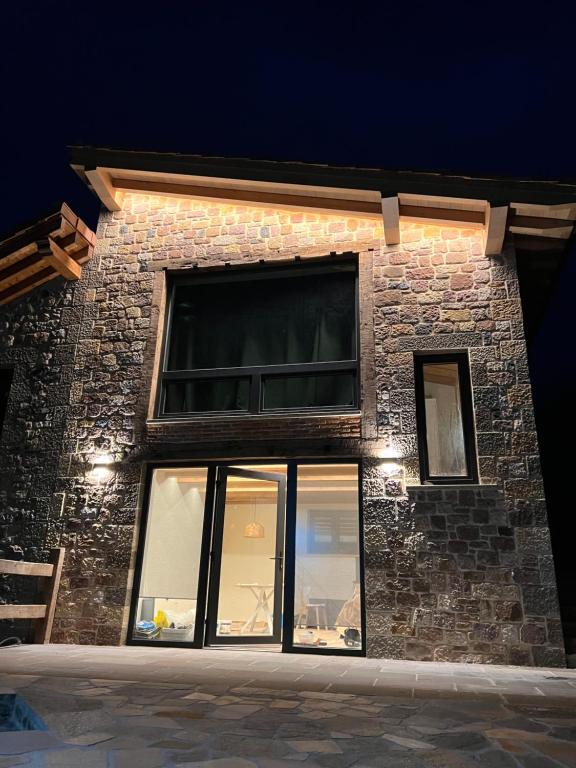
439 292
434 291
38 334
446 579
123 289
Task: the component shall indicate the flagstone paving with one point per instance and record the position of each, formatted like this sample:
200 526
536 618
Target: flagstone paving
218 722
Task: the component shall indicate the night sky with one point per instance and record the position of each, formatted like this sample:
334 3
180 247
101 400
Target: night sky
470 87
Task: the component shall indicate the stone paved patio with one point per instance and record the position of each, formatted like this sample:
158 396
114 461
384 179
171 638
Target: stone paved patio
149 708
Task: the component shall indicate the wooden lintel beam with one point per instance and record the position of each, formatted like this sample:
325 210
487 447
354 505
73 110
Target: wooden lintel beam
495 229
101 184
537 222
248 196
391 219
457 215
62 262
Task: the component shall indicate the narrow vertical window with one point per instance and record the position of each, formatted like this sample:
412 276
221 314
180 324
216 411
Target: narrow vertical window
445 419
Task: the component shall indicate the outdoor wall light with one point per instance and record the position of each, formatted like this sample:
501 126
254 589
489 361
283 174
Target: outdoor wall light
101 469
388 450
390 467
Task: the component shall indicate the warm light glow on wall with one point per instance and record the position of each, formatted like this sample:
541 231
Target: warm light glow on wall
260 211
101 469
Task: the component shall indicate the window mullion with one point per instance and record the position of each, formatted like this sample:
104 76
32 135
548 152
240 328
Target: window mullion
255 387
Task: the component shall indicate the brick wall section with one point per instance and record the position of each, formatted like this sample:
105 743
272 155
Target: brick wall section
38 334
434 291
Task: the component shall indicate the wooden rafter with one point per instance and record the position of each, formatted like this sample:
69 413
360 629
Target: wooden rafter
55 246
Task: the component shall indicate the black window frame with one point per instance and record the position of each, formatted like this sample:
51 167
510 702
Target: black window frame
467 407
257 374
202 628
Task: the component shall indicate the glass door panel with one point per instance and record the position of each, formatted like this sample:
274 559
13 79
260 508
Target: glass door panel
248 552
327 588
166 608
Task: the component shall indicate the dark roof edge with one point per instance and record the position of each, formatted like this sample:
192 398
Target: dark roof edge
388 182
30 225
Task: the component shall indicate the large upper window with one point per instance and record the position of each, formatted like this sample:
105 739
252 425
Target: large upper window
445 418
266 340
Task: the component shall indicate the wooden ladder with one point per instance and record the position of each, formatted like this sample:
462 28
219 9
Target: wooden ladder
43 612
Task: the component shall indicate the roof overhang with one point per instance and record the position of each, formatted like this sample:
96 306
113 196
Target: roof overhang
538 209
55 246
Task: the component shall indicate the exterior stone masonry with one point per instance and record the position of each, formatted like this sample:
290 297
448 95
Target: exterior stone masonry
38 335
462 573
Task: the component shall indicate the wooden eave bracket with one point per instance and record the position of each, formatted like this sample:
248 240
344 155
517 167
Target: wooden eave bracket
100 181
53 247
391 220
59 259
496 219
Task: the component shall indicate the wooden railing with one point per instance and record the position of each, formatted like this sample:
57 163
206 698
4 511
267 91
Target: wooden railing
43 612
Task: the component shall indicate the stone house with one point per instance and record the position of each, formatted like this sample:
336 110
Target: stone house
282 404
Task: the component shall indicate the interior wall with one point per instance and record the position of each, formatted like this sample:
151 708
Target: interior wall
245 560
173 540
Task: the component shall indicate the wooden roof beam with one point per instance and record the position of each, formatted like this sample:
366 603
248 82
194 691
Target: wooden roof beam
102 185
59 259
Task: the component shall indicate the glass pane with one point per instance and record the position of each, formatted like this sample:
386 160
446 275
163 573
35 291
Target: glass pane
271 321
247 573
327 596
169 581
444 429
309 391
205 395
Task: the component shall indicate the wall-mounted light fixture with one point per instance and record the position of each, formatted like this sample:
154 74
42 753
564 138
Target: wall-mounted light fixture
388 449
391 468
101 467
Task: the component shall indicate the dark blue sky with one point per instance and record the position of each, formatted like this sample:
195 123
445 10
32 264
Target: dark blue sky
481 88
469 87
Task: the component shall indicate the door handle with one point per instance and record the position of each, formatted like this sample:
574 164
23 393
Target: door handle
280 558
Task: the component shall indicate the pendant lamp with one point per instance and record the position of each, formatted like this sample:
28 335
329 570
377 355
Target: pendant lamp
254 530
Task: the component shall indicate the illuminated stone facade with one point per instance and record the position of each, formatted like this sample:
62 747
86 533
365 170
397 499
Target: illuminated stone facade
461 573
